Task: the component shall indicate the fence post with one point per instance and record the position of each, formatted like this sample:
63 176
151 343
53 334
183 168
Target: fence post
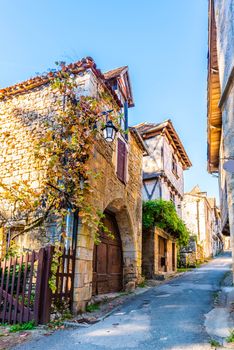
38 291
46 297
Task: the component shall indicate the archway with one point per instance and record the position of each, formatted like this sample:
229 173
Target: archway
114 273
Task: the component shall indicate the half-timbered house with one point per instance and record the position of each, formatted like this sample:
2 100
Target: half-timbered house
163 178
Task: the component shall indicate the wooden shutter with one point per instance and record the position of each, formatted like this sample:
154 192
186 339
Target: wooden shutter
121 161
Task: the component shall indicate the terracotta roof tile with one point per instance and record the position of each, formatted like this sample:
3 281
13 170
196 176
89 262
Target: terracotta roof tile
150 129
75 68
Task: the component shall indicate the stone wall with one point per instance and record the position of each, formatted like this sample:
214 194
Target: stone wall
122 200
198 217
150 253
224 16
169 242
22 120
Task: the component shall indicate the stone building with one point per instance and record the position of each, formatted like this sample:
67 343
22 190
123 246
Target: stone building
163 178
220 113
202 218
24 111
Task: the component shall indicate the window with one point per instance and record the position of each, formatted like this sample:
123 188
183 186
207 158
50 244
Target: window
124 119
174 166
121 161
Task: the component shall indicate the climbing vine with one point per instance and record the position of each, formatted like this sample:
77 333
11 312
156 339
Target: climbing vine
163 214
63 148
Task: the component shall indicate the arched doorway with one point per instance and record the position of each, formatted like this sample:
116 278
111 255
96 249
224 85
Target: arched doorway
108 259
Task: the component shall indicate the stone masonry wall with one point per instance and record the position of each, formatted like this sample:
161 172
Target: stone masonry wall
21 122
125 202
224 16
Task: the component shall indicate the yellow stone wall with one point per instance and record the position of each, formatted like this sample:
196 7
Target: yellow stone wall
22 120
150 257
169 241
125 202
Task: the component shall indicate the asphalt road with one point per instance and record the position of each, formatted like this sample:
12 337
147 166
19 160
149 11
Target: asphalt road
170 316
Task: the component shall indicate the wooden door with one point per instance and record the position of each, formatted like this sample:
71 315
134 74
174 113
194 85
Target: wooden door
107 260
162 254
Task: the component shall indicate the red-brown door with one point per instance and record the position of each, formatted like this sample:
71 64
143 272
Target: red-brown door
161 254
107 260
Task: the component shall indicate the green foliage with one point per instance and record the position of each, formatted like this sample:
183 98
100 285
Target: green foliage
58 252
28 326
92 307
214 343
163 214
13 250
184 269
230 338
64 148
17 272
142 284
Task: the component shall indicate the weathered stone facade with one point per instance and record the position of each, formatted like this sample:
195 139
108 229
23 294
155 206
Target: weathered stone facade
150 259
221 105
23 117
202 218
122 200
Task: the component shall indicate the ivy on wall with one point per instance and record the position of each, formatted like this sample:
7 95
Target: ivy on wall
64 147
163 214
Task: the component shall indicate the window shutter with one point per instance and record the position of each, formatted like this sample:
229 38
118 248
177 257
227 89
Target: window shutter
121 161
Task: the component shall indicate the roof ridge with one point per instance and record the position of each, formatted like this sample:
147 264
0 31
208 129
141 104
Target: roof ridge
39 80
109 70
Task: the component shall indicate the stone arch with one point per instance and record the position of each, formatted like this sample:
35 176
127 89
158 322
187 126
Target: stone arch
128 238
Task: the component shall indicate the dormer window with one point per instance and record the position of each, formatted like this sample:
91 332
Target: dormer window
114 85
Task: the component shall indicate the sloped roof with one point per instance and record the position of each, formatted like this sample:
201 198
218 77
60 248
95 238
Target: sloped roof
148 130
115 72
214 115
126 89
75 68
196 189
139 140
212 202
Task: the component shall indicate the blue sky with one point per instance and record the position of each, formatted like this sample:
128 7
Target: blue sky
164 43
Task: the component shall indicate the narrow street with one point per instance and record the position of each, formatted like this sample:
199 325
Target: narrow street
171 316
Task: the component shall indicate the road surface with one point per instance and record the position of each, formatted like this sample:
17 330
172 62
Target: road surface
170 316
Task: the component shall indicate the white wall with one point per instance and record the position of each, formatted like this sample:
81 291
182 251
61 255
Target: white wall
224 15
155 164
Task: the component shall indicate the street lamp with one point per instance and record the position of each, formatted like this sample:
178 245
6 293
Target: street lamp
109 130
